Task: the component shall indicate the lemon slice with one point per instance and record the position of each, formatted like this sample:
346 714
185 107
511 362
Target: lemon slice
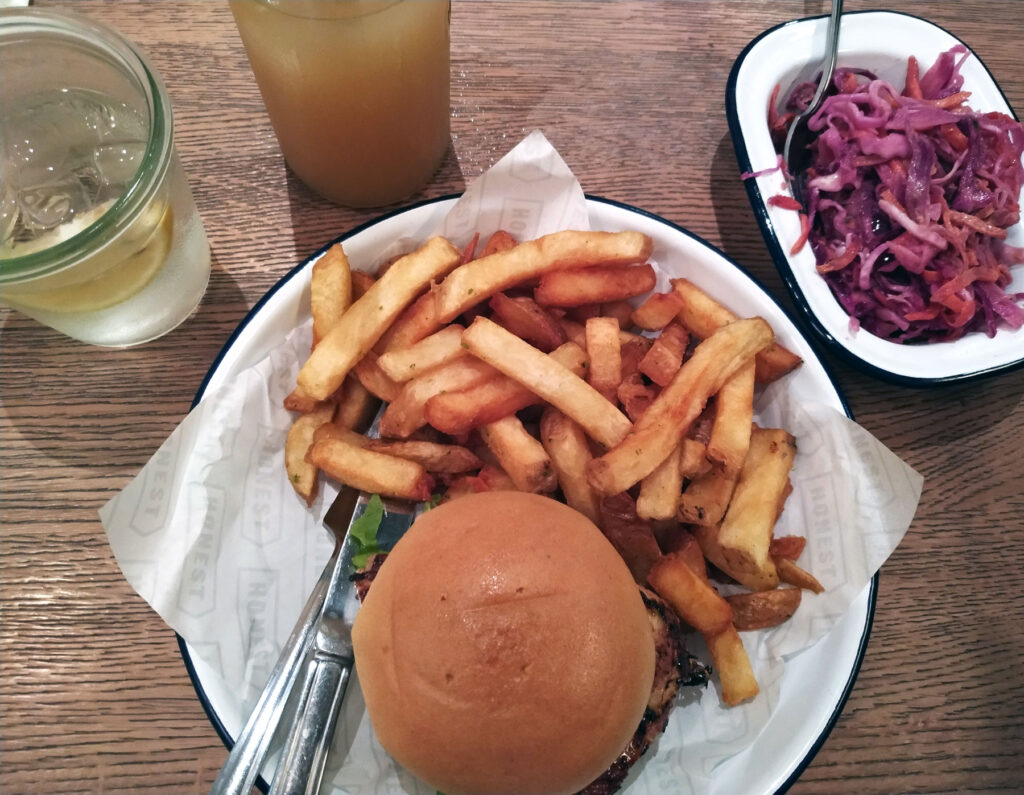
114 284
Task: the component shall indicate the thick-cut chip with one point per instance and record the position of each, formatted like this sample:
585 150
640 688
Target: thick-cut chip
692 459
374 379
369 317
702 314
372 472
494 478
361 282
763 609
330 290
604 350
745 534
462 486
707 536
566 444
657 311
547 378
622 311
664 424
791 547
706 497
528 320
299 401
478 280
301 473
575 332
659 491
498 242
663 360
792 574
633 352
469 250
734 414
592 285
691 596
631 536
520 455
356 405
335 430
418 320
636 396
677 540
443 458
459 411
406 412
439 348
581 313
730 660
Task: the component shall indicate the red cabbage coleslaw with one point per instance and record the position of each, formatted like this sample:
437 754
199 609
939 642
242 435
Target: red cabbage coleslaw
909 196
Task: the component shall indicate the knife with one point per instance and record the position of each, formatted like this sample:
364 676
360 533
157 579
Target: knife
246 757
329 668
250 748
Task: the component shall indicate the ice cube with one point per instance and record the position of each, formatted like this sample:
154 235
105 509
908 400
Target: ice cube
49 205
117 164
35 148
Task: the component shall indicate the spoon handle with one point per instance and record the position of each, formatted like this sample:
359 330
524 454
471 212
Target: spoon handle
831 54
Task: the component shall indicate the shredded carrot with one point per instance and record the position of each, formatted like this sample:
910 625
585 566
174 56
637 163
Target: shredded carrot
963 314
844 259
952 101
954 137
930 313
899 167
773 113
785 202
913 83
978 225
805 231
886 195
849 83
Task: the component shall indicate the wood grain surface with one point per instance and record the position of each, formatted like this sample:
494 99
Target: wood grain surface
94 697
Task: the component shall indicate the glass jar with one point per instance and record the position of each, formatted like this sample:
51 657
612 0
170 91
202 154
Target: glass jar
101 237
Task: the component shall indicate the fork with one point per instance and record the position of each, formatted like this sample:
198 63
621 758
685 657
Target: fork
327 677
246 757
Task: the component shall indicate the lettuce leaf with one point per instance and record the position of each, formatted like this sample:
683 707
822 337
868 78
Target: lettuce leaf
364 531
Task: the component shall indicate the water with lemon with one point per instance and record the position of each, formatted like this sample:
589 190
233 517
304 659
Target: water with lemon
68 156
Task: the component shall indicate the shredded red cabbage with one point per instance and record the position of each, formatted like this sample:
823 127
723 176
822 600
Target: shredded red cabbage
909 196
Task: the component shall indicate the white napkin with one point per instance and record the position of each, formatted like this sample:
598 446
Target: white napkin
211 534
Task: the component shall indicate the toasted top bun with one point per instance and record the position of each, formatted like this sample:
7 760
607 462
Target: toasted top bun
504 648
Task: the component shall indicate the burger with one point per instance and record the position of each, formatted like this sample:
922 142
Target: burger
504 647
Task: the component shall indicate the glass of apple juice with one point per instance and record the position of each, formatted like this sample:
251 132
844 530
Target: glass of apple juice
357 91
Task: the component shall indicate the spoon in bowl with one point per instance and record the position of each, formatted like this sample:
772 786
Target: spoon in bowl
796 152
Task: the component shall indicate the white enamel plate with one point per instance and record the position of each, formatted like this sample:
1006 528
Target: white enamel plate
799 724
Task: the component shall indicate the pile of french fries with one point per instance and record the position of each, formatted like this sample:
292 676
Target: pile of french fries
525 366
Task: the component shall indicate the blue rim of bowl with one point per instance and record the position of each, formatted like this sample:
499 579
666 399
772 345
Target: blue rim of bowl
186 656
807 319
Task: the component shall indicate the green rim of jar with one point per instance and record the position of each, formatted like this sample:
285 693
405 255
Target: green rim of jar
105 43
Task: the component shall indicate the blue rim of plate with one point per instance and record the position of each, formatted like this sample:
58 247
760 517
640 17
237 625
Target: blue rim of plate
819 336
186 656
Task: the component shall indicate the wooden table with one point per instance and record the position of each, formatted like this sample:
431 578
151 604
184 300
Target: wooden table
94 695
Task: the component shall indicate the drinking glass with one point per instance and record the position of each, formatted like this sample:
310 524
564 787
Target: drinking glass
357 90
101 237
